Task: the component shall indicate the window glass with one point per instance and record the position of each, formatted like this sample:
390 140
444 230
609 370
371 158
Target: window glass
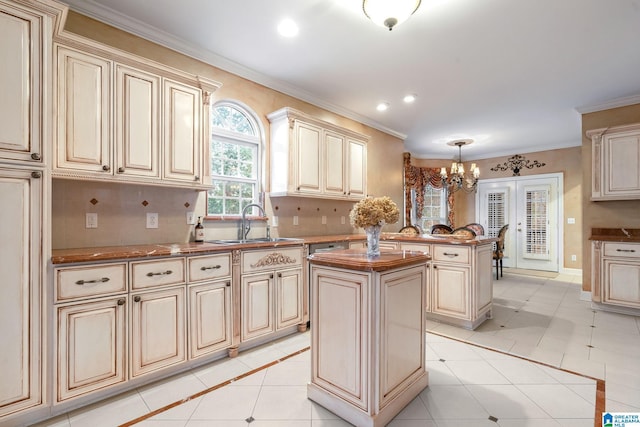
235 160
434 210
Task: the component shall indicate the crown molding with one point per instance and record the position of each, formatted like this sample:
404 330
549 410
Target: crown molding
615 103
153 34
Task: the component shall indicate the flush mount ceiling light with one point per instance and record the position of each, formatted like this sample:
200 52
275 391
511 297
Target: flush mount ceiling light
389 13
409 98
288 28
383 106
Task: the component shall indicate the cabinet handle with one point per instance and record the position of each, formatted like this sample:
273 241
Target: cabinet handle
120 169
36 156
36 174
137 298
215 267
159 274
106 168
449 255
625 250
121 301
84 282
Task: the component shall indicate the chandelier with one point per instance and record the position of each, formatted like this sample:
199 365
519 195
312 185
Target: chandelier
458 180
389 13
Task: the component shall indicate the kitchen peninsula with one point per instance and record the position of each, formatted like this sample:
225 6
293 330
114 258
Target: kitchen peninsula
367 340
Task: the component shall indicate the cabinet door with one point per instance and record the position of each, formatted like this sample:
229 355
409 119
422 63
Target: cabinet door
209 318
451 291
84 119
356 169
256 303
21 264
334 150
622 165
288 298
309 155
91 347
157 330
21 84
137 121
621 283
182 132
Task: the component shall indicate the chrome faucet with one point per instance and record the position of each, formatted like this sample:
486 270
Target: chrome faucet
245 224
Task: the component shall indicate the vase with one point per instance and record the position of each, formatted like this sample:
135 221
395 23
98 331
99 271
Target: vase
373 240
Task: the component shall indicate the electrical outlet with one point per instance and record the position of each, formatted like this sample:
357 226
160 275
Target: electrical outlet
152 220
274 221
191 218
324 220
91 220
342 220
574 258
295 220
571 220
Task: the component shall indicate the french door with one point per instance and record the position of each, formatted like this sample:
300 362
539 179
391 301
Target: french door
532 207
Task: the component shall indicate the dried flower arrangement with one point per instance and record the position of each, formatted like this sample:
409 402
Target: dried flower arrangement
374 211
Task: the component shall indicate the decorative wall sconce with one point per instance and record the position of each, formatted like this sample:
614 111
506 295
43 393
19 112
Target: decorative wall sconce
516 164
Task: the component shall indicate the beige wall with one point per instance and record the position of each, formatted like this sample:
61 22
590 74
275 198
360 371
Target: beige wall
566 161
122 218
624 213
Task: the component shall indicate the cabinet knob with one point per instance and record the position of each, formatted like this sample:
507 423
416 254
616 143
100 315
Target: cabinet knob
120 169
36 156
106 168
121 301
196 178
36 174
137 298
279 274
228 283
435 266
271 276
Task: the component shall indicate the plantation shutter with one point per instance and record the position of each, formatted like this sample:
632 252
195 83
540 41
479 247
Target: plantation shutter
537 222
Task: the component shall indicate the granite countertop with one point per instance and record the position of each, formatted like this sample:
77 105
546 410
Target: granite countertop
622 234
110 253
357 259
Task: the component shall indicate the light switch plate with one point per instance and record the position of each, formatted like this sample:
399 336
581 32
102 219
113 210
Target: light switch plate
324 219
295 220
191 218
91 220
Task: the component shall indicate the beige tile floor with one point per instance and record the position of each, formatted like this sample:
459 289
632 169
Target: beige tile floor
540 319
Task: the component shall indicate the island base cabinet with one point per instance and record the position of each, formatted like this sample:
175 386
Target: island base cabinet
367 341
209 318
157 330
451 291
91 346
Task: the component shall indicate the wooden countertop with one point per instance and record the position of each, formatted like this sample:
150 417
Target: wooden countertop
356 259
110 253
632 235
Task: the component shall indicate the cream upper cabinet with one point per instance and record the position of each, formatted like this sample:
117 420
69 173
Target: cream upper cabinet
21 264
84 113
313 158
25 50
182 139
137 133
121 118
616 163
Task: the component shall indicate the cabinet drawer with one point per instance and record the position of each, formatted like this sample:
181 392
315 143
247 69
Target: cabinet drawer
624 250
162 272
450 253
209 267
418 247
270 259
90 281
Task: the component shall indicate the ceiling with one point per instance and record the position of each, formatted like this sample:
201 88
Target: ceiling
512 75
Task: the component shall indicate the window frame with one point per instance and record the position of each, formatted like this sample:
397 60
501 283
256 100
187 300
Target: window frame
227 136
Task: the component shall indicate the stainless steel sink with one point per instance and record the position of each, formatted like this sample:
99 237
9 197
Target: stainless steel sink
256 240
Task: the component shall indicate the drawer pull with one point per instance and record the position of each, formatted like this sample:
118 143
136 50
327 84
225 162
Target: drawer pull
625 250
215 267
449 255
84 282
159 274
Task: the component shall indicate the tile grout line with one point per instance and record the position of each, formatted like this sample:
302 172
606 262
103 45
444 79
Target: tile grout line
210 389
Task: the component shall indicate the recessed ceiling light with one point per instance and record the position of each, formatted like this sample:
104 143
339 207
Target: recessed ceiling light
383 106
288 28
409 98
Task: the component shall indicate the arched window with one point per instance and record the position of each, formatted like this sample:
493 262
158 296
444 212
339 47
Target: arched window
235 159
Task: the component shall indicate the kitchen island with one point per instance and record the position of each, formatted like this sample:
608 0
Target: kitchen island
368 334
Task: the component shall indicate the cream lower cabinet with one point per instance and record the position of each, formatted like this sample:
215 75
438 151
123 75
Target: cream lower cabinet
461 284
21 307
157 330
271 296
91 346
616 276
